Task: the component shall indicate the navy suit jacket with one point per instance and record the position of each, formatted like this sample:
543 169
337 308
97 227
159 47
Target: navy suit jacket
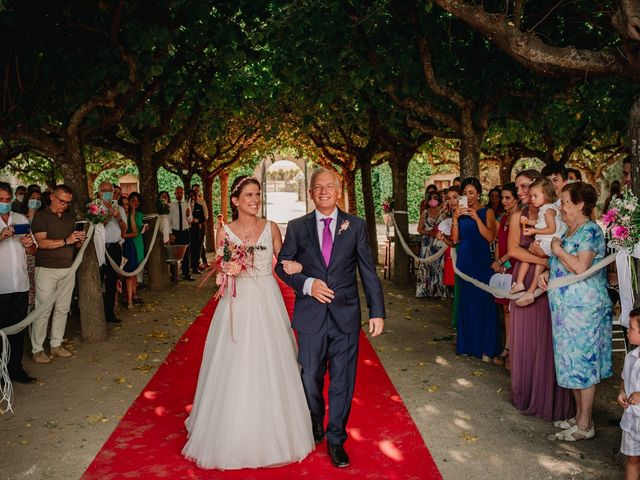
350 250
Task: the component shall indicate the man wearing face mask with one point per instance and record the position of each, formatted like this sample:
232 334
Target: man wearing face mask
14 281
16 206
114 230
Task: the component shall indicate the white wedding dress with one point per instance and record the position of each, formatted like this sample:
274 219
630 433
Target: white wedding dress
249 409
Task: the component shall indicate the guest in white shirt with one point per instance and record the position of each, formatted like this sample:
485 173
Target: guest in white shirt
180 220
14 280
114 230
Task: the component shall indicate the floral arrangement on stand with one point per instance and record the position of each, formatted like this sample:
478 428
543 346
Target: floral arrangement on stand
388 205
97 212
622 221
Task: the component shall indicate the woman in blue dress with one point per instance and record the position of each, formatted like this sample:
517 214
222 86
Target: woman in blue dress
473 228
581 312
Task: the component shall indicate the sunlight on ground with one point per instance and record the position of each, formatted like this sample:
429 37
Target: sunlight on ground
442 361
429 410
355 434
150 395
557 466
459 422
463 382
396 398
160 411
371 363
390 450
459 456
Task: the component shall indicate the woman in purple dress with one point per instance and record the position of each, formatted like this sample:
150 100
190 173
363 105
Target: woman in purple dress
534 388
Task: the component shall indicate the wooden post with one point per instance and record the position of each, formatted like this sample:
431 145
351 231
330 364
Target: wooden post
224 194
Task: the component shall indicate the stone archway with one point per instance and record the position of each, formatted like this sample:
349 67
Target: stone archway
260 172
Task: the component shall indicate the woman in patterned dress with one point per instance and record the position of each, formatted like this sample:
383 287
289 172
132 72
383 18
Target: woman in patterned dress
581 312
430 281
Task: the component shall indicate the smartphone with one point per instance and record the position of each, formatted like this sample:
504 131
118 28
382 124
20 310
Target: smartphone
507 264
463 202
81 226
22 229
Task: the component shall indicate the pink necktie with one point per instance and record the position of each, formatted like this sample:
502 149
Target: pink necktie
327 241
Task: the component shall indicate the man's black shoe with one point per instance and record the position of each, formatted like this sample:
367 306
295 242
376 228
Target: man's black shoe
318 431
22 377
196 271
188 277
339 457
114 320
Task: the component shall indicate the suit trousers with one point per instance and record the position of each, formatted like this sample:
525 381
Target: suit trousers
338 351
195 245
14 309
183 237
48 285
110 279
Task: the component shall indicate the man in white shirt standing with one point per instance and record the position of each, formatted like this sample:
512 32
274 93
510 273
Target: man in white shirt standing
14 280
180 220
114 230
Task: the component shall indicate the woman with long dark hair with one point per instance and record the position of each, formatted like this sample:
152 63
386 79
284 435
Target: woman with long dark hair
473 227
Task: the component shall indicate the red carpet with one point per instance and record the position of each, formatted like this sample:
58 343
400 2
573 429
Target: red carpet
384 443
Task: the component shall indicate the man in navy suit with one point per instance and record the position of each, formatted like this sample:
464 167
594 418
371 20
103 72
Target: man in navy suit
330 244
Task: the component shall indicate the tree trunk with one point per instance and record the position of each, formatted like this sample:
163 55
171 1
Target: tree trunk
469 155
210 226
634 136
369 207
349 177
224 194
399 166
186 181
506 166
92 320
157 264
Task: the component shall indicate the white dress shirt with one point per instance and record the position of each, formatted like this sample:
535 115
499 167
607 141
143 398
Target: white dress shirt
112 232
630 422
306 288
174 215
13 259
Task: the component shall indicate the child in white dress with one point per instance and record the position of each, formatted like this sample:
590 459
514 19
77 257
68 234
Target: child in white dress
629 399
548 225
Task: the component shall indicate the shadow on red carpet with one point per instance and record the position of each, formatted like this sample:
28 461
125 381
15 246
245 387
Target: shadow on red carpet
384 442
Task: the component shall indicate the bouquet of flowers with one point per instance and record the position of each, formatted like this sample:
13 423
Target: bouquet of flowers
231 259
387 205
97 212
622 221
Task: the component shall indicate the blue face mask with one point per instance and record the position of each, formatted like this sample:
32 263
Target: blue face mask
5 208
107 196
34 204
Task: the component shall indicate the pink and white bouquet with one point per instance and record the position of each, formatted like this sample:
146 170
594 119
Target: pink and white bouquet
97 212
622 221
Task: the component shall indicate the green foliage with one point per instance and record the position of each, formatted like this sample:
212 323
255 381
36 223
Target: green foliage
382 184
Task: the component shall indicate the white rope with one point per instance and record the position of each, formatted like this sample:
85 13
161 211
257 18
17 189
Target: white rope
408 250
7 389
142 264
555 283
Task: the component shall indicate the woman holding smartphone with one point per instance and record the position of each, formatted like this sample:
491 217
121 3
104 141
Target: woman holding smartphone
473 228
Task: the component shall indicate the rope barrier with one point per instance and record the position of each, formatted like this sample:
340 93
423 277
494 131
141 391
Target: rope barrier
496 292
408 250
6 390
142 264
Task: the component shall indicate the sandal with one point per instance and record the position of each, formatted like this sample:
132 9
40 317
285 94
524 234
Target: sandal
501 359
569 435
564 424
517 287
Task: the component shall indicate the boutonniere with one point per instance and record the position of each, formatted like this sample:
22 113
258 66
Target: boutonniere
343 226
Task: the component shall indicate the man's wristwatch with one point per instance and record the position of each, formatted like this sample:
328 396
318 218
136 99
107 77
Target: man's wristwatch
65 242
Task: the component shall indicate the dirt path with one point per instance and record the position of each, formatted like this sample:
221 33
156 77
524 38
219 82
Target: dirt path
460 405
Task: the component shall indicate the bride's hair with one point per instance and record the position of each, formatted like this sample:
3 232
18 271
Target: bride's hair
236 190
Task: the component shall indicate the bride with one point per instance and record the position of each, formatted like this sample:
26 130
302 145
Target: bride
249 409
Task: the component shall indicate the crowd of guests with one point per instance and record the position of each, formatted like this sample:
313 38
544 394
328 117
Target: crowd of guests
541 227
39 240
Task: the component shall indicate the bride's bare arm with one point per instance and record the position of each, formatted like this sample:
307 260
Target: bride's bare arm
277 238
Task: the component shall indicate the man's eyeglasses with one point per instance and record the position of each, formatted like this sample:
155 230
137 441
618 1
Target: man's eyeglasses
320 188
63 202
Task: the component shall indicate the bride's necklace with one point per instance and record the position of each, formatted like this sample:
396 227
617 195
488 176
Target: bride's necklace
245 234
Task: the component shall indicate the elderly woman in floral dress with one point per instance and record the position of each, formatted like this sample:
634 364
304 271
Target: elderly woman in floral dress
580 312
